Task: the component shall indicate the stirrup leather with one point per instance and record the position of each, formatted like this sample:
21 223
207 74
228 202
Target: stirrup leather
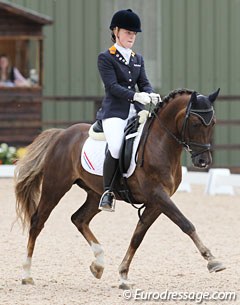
110 207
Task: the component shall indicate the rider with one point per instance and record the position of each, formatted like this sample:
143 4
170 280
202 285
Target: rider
121 70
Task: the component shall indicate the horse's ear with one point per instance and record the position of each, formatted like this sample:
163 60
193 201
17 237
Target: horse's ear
193 98
212 97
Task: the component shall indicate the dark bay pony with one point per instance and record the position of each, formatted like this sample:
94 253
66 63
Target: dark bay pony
52 165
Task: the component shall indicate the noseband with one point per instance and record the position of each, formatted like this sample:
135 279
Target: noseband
189 145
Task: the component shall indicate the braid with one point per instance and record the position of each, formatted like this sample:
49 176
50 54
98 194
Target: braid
175 92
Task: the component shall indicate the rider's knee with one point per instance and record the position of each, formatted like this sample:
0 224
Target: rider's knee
115 152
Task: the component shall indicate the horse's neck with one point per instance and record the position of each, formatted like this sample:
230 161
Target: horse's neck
163 146
166 145
170 112
167 120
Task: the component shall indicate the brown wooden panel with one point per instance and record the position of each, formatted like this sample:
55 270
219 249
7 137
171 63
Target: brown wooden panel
16 107
26 15
18 140
14 124
20 120
20 115
13 24
23 130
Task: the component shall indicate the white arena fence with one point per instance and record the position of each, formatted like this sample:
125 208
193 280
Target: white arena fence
7 171
217 181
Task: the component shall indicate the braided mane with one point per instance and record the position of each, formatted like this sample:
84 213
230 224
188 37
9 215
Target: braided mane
175 92
171 96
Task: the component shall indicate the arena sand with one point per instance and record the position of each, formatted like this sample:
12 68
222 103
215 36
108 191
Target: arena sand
167 260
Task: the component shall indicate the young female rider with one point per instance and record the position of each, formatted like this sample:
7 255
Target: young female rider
121 70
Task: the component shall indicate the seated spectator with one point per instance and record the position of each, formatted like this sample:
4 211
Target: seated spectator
10 76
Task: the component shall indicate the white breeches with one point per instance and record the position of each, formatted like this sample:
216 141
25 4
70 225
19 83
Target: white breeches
114 132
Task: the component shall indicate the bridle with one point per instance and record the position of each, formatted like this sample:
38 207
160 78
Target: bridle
194 148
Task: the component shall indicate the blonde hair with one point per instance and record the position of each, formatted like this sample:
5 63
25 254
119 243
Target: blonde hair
8 73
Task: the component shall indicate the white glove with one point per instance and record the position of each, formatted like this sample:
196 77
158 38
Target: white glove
155 98
142 97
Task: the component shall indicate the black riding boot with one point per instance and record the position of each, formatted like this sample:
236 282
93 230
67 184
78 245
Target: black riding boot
110 167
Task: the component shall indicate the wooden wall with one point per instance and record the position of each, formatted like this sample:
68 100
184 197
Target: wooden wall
20 115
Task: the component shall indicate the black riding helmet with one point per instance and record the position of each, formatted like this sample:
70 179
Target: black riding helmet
126 19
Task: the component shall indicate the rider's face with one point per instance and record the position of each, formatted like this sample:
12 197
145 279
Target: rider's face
125 38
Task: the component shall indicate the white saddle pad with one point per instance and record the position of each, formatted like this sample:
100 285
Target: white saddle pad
93 155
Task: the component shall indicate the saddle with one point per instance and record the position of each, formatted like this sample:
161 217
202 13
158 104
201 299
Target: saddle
130 132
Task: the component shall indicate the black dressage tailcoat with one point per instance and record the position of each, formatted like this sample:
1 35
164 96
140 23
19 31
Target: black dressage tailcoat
120 80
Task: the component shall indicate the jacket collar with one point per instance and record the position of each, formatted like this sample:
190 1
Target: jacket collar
113 51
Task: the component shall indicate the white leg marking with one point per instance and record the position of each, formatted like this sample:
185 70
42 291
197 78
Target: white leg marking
27 268
98 253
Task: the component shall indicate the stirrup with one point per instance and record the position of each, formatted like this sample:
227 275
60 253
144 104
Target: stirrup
109 207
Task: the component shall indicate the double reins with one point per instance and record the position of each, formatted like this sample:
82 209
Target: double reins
187 145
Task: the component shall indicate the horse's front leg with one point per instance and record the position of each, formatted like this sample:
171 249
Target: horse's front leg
149 215
213 264
173 213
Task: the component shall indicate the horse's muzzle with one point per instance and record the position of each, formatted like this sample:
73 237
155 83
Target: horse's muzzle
202 160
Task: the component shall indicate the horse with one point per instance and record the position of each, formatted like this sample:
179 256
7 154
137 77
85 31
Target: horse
184 120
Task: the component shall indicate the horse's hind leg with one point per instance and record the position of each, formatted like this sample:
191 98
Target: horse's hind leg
49 199
172 212
81 219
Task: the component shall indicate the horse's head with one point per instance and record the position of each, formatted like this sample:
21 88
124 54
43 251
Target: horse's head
197 128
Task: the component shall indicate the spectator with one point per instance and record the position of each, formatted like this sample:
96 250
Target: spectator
10 76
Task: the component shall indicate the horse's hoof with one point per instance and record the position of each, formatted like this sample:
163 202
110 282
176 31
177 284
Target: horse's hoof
215 266
28 281
125 285
96 270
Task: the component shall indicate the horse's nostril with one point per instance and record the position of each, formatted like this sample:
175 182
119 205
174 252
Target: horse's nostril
203 163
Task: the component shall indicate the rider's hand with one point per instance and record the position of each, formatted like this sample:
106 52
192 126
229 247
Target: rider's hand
142 97
155 98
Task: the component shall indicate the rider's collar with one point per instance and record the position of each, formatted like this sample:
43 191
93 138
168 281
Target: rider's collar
113 51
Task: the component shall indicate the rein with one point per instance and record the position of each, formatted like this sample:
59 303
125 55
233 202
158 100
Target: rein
188 146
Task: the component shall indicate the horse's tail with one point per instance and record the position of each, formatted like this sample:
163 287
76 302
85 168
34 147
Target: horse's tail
29 173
